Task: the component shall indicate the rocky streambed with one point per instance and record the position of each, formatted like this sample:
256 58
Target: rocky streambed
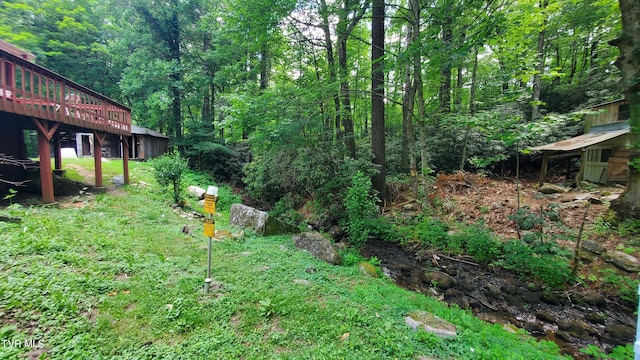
573 318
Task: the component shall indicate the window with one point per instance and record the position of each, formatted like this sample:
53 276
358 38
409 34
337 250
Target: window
605 155
623 112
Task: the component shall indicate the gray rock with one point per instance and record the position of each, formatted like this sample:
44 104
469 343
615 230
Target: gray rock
196 192
592 298
247 217
259 221
318 246
552 189
442 280
577 328
430 323
619 331
624 261
610 198
118 181
594 247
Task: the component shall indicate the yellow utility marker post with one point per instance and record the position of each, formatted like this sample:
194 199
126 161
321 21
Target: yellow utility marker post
210 198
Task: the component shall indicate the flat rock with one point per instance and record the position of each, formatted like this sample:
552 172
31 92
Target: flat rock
430 323
319 246
610 198
196 192
552 189
593 246
624 261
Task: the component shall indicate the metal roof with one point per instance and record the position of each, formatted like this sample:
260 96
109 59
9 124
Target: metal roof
597 135
144 131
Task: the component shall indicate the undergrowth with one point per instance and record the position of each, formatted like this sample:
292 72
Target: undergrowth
116 277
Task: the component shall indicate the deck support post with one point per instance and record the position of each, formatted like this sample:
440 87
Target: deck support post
57 151
98 139
45 133
125 158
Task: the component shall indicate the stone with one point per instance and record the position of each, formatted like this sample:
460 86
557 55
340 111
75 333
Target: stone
442 280
552 189
622 332
318 246
595 317
196 192
534 328
301 282
577 328
368 269
247 217
259 221
118 181
610 198
624 261
592 298
593 246
545 316
430 323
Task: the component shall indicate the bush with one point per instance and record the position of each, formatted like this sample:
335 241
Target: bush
432 231
168 170
547 263
480 243
360 206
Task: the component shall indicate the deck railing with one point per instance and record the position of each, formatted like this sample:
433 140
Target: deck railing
31 90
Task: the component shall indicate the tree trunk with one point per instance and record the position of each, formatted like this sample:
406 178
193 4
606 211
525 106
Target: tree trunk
345 97
628 205
445 68
377 97
537 78
408 102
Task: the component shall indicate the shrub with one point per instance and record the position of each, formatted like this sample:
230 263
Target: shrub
168 170
480 243
360 206
432 231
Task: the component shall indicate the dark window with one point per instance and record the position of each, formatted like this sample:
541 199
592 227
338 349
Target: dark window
623 112
605 155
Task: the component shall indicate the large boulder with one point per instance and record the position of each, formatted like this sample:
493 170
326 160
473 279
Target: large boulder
196 192
318 246
259 221
624 261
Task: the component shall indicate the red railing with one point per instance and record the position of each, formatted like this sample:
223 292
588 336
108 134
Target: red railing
31 90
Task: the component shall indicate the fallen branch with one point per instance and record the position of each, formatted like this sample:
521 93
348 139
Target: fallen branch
483 302
397 205
459 260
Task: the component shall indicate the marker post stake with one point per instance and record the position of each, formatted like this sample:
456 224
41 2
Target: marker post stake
210 198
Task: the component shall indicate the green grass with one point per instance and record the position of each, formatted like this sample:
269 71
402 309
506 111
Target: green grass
115 277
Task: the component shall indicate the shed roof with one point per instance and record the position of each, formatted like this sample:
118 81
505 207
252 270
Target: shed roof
597 135
144 131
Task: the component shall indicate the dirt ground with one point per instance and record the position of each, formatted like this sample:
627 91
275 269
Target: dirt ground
470 197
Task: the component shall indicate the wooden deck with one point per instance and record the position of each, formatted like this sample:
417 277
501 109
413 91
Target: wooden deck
32 97
30 90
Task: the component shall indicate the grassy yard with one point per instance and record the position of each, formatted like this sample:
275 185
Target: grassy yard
115 276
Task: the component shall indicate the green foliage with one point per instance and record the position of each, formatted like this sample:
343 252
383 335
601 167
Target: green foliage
433 231
622 352
360 207
624 286
479 242
548 263
168 171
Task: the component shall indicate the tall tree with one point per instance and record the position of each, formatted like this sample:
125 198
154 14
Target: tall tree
377 97
628 205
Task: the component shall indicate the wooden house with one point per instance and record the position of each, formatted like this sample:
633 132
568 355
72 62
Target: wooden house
144 144
604 157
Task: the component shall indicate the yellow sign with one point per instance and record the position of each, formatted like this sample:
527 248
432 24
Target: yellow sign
209 227
210 203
